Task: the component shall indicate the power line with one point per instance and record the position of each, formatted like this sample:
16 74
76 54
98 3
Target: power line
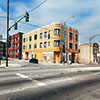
22 22
25 23
33 8
30 24
6 17
37 6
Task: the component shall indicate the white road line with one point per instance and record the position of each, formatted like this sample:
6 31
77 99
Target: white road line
21 75
41 84
36 75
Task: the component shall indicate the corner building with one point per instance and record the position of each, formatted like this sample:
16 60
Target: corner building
46 44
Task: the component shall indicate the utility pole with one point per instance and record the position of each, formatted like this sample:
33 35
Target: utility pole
64 47
90 50
14 25
7 32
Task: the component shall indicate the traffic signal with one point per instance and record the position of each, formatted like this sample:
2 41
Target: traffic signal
63 48
9 41
27 16
15 26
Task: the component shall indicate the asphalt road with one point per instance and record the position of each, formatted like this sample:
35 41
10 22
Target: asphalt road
28 83
78 88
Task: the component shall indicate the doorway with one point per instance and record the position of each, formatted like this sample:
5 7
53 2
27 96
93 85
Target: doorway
26 55
73 57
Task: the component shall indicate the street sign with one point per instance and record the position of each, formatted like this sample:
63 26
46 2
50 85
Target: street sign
62 40
4 39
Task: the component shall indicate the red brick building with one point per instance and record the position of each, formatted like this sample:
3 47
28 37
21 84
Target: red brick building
15 50
2 48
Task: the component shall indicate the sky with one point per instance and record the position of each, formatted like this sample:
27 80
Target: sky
86 12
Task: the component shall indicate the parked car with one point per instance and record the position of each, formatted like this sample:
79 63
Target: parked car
33 60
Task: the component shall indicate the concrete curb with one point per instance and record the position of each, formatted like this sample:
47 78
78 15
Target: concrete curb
61 64
10 65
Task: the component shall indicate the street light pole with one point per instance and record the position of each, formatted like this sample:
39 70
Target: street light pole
90 49
7 32
65 38
64 41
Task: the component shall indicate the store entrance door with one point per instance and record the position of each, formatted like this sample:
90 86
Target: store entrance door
73 57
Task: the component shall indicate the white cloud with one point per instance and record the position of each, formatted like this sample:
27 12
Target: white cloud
2 23
59 10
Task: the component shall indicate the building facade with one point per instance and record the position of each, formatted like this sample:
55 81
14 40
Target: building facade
46 44
0 37
2 48
89 53
15 49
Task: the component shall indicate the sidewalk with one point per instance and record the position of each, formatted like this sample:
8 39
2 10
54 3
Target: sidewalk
10 65
61 64
13 63
24 63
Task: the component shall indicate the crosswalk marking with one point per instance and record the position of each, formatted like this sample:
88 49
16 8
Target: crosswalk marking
21 75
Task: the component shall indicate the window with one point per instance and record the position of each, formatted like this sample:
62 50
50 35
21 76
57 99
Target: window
17 44
49 35
1 45
70 45
76 46
48 43
45 34
70 57
35 46
30 38
1 48
35 55
29 46
12 46
41 35
56 31
17 38
26 46
12 39
45 44
76 37
1 52
56 43
70 36
17 51
40 44
23 47
24 40
35 37
32 55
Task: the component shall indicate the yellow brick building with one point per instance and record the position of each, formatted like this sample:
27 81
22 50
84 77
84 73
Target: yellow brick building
45 43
